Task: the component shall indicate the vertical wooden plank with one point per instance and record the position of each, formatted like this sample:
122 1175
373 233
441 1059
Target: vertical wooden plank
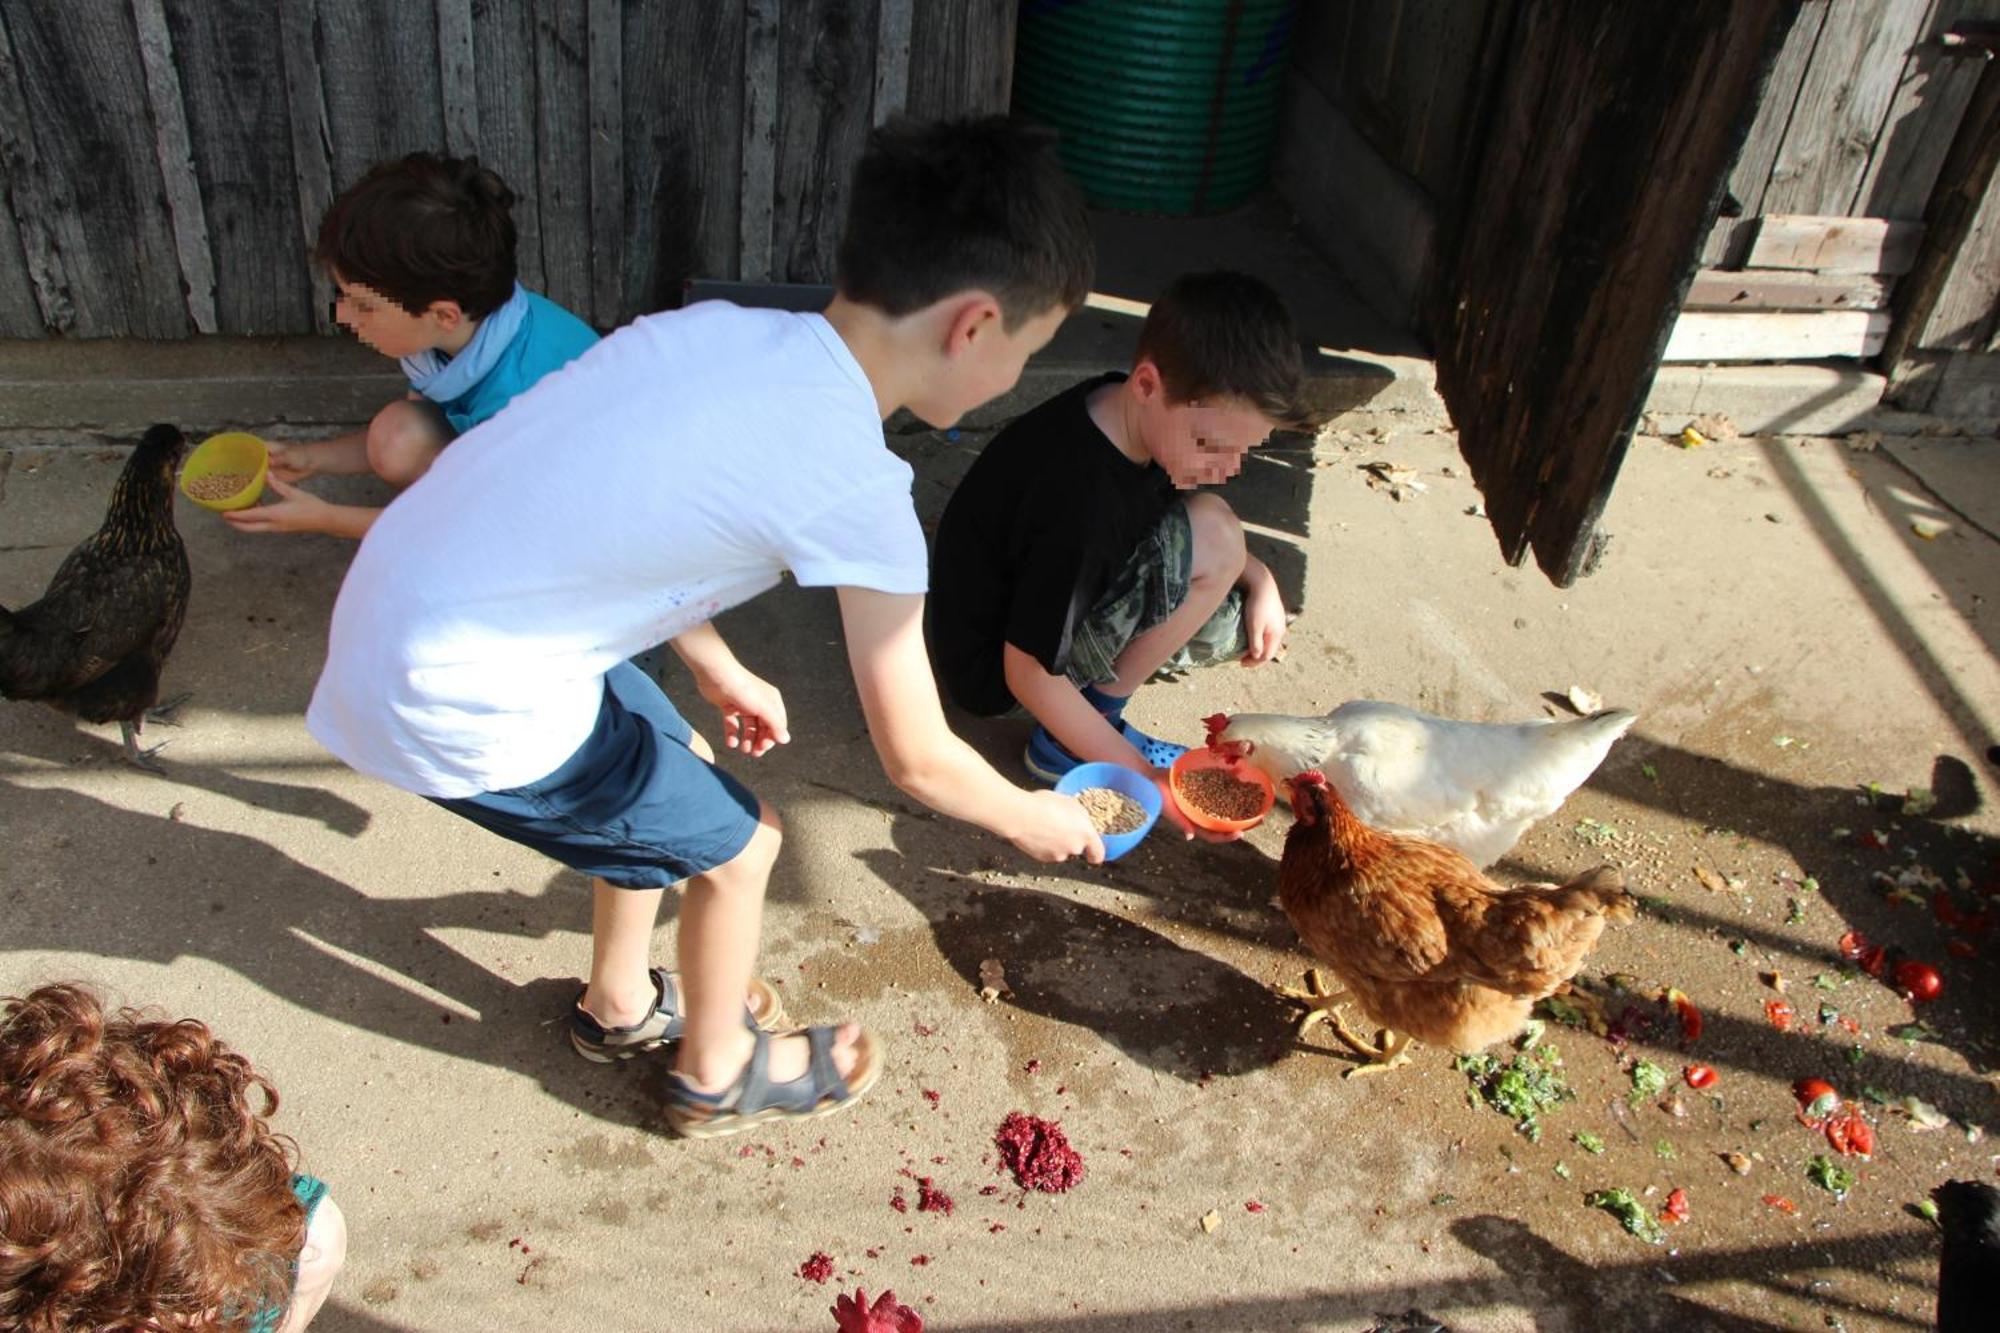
892 59
607 162
683 149
1419 64
1842 103
1964 318
503 56
1930 98
562 150
27 201
176 159
379 74
761 25
961 59
1371 57
312 141
82 83
458 83
20 312
234 86
824 79
1750 178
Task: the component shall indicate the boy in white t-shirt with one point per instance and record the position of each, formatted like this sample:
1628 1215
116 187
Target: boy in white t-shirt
478 652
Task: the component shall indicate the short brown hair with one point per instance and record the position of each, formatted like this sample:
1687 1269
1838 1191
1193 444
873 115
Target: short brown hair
944 207
425 228
138 1189
1227 335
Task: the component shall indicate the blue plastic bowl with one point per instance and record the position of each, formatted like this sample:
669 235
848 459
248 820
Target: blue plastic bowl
1125 782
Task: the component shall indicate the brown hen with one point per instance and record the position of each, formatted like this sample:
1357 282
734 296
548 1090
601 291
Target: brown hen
1425 945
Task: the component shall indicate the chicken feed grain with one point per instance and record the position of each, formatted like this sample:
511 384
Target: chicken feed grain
1111 811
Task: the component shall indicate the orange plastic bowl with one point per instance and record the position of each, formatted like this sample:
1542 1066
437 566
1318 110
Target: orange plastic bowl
1202 757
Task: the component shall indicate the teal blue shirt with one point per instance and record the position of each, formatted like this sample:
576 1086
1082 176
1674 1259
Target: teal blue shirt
309 1190
549 338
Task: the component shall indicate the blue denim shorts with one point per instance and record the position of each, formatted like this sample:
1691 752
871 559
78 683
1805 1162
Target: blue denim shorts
634 805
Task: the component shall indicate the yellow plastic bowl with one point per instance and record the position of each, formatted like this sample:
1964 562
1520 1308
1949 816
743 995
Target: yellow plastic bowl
231 451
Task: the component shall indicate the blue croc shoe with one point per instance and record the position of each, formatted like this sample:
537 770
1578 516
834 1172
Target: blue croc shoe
1158 753
1045 758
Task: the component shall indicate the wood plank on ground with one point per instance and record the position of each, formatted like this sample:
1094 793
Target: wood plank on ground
1835 244
1706 335
1786 289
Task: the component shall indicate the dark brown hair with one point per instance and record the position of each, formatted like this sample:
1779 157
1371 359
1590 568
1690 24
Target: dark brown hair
945 207
423 229
138 1189
1227 335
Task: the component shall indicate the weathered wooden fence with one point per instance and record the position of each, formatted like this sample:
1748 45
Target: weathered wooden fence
165 162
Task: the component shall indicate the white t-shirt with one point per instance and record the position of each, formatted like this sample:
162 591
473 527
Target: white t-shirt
667 474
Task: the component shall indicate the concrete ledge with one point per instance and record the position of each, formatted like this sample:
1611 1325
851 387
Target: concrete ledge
1770 400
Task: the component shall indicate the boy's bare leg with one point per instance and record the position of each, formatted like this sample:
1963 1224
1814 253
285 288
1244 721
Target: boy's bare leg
1218 559
405 438
620 991
722 919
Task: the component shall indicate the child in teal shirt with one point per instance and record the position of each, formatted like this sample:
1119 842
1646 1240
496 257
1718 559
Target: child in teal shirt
422 251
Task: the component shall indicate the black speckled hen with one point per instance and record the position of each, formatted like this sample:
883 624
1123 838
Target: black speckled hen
94 644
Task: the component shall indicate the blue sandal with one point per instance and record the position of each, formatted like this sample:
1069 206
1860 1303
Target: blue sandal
664 1025
753 1099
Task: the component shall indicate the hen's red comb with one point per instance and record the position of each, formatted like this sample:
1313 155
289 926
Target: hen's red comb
1217 723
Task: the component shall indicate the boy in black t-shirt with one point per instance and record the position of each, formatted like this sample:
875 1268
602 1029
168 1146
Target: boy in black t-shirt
1072 562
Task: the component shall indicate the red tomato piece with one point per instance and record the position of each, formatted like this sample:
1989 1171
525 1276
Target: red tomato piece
1920 981
1699 1076
1781 1203
1780 1014
1677 1207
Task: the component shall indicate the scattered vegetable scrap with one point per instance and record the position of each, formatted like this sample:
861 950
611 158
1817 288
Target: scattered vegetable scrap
1520 1088
1856 948
931 1199
1737 1162
1676 1210
1038 1153
1631 1214
1849 1133
853 1314
1781 1203
1818 1099
1830 1176
1689 1015
818 1268
1699 1076
1210 1220
1918 981
1648 1081
1588 1141
993 985
1780 1014
1253 1207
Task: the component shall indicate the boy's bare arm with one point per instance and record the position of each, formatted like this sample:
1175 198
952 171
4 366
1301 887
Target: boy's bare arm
342 456
885 648
1060 706
753 712
1263 613
299 510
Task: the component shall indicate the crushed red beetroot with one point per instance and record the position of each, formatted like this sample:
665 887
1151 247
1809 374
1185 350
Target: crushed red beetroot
853 1314
932 1096
1038 1153
989 1189
932 1200
1253 1206
898 1202
919 1260
818 1268
1033 1067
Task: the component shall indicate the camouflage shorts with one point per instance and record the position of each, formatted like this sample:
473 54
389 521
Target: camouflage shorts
1152 584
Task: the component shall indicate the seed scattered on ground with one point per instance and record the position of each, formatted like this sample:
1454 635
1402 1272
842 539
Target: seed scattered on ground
1219 793
218 485
1111 811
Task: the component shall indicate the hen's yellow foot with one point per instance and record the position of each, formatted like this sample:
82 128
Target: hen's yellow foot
1320 1003
1391 1052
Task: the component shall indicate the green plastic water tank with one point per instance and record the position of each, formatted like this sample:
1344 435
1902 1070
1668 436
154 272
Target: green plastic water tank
1164 106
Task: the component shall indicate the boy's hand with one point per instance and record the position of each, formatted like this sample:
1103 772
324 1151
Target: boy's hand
295 511
291 462
1058 829
1263 617
753 712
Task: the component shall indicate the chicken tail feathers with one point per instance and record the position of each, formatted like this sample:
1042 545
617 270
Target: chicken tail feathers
1605 885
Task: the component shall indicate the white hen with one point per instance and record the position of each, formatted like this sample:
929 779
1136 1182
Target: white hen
1473 786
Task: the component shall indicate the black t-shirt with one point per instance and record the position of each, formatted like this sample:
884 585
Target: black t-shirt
1030 540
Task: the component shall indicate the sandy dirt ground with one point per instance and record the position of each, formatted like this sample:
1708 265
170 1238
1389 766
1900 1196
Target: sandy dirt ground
1803 659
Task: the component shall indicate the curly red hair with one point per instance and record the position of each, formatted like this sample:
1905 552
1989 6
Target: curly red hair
138 1188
